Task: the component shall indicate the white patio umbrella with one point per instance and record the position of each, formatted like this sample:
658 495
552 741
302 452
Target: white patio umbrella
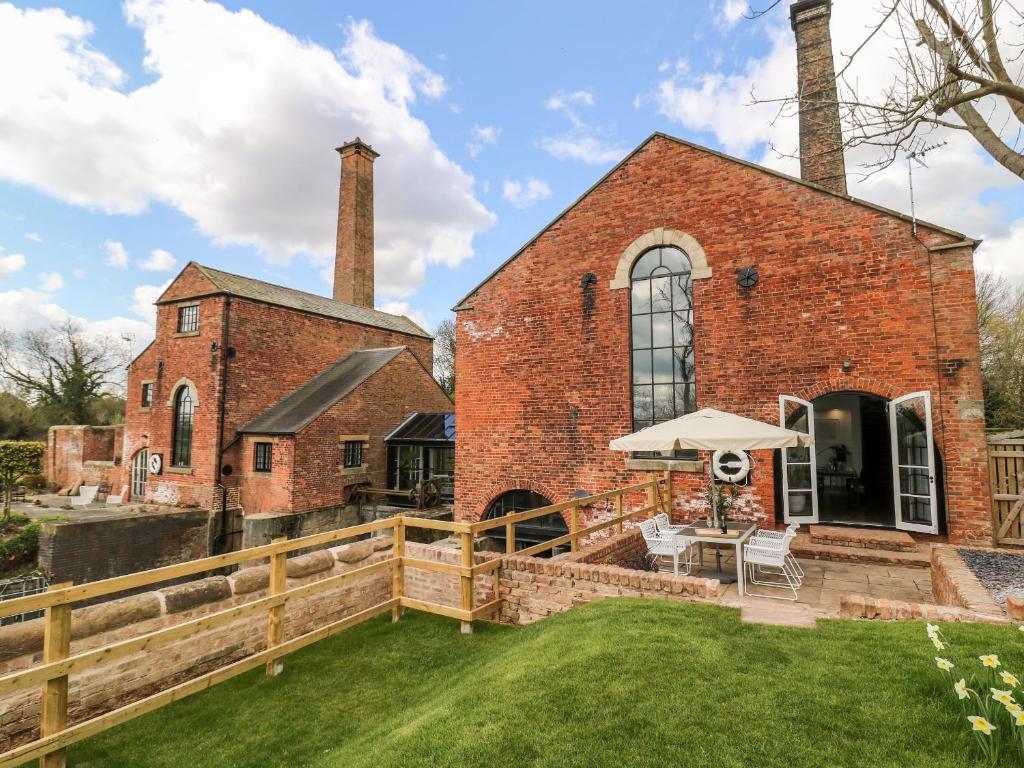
712 430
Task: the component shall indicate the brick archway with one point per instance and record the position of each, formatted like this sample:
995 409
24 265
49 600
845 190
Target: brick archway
699 268
512 484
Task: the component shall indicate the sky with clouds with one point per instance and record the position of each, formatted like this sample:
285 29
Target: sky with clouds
137 137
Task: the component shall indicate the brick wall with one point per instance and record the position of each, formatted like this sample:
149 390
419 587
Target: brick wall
544 369
276 349
105 687
82 453
614 549
104 545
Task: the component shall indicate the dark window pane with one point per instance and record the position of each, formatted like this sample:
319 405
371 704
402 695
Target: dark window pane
662 326
641 297
682 329
263 457
181 449
799 476
915 481
663 366
661 294
798 455
642 332
644 265
914 509
682 292
188 319
643 403
686 399
664 402
642 367
675 260
683 357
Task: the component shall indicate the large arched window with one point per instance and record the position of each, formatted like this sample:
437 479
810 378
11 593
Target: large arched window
535 531
184 407
661 305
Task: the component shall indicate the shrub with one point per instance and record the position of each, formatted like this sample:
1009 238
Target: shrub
17 458
21 545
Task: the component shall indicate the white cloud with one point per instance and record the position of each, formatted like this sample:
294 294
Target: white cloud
143 299
731 11
395 307
49 282
117 256
159 261
235 129
10 264
34 237
28 309
583 141
523 194
481 136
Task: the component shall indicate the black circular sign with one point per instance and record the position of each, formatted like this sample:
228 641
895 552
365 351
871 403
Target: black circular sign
746 278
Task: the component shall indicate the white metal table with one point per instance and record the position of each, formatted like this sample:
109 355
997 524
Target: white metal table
746 531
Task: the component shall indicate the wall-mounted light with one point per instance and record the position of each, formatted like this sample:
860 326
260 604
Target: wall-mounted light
847 366
214 346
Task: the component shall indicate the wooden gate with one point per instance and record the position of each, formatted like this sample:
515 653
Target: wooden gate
1006 469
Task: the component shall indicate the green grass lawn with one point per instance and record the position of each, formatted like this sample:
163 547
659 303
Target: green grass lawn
616 683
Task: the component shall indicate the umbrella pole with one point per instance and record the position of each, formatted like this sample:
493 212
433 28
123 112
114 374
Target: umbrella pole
723 578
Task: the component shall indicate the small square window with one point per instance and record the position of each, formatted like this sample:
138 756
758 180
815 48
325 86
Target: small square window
353 454
263 457
188 319
147 395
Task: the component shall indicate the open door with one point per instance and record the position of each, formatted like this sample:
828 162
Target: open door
799 468
913 462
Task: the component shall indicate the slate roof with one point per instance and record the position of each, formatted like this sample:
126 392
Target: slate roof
300 407
258 290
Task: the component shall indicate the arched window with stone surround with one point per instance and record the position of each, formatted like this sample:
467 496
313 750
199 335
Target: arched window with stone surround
184 408
661 318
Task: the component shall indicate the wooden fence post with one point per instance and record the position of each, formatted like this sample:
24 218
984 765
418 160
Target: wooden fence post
467 581
668 495
618 514
398 574
275 619
56 646
574 525
510 538
652 497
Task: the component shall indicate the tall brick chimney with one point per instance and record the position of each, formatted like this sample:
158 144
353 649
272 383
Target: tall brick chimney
353 255
821 135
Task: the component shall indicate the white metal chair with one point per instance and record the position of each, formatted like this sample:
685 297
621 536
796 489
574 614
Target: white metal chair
771 560
667 545
113 501
661 522
86 496
768 538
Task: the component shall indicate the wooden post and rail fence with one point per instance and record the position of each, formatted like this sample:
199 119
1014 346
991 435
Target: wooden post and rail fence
58 664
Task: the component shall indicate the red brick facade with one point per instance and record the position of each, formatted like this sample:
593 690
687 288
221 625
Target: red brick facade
544 355
263 351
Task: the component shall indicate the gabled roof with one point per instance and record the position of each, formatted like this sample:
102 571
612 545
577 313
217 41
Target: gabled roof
269 293
973 242
300 407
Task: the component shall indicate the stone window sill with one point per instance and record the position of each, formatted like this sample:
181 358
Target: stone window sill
185 334
145 408
348 471
98 463
178 470
665 465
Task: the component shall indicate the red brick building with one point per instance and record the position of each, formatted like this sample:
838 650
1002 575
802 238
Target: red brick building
257 396
686 278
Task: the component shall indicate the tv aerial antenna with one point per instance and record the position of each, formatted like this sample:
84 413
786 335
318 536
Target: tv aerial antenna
915 154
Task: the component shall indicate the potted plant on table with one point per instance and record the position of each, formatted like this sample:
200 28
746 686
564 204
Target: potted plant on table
720 503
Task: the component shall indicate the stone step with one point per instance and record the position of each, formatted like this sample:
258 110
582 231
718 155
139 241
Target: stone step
804 547
868 538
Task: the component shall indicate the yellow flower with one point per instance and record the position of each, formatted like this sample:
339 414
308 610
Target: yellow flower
932 630
944 664
938 644
961 688
1018 719
991 660
1014 708
1003 697
1009 679
981 724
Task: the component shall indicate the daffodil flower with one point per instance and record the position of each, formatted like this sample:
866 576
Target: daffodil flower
932 630
990 660
938 644
981 724
1014 708
1003 697
1009 679
944 664
1018 719
961 689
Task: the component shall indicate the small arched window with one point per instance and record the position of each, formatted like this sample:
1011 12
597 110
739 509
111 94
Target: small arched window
661 308
529 532
184 408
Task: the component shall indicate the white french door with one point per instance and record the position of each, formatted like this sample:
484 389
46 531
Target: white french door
913 462
799 467
140 473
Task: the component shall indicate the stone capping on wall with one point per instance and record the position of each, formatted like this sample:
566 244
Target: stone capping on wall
953 583
855 606
699 268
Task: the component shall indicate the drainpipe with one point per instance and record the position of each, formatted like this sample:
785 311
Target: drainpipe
224 335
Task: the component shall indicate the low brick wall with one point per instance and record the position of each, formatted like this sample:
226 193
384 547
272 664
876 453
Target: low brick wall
105 545
445 588
615 549
263 528
533 588
863 607
104 687
953 583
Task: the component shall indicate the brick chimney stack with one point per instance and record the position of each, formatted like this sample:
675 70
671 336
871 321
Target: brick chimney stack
821 134
353 256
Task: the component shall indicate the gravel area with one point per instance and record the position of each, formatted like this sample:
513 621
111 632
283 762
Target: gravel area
1001 573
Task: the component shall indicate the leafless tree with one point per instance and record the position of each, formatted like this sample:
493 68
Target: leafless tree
60 369
959 67
1001 330
444 355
